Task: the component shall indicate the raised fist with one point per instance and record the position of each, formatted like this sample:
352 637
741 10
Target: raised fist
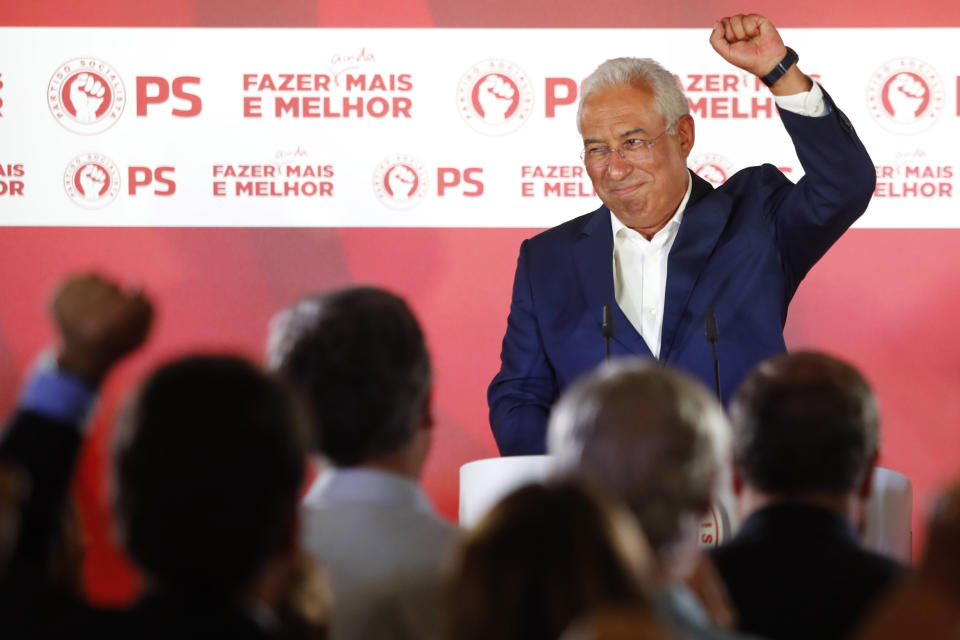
92 179
99 323
86 94
906 94
750 42
495 95
401 180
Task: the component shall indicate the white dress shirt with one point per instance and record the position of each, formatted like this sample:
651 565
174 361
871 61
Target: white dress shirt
383 548
640 273
640 265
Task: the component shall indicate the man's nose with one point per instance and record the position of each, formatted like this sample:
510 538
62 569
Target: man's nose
618 166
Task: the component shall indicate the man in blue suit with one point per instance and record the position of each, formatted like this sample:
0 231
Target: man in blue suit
665 246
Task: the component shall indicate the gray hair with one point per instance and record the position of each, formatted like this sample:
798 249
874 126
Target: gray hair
650 436
627 72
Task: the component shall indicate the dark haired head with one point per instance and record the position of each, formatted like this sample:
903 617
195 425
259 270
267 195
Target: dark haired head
804 423
209 461
542 557
359 357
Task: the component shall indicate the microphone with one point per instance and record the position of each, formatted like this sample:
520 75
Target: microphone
713 335
606 326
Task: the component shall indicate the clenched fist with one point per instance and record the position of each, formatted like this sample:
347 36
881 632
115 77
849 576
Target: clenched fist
752 43
87 94
401 180
92 179
99 324
495 96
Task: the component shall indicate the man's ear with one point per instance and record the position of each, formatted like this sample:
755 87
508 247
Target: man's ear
686 134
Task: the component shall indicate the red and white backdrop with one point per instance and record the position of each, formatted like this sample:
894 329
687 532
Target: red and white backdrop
413 145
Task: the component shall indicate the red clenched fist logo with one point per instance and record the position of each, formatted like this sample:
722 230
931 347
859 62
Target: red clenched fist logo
495 97
905 96
91 180
86 95
400 181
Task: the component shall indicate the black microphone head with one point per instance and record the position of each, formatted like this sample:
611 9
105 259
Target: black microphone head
712 331
606 326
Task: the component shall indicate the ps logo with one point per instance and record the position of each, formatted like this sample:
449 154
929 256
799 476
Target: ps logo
92 180
905 96
400 181
494 97
86 95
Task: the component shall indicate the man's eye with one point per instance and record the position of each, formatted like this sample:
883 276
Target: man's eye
633 143
598 151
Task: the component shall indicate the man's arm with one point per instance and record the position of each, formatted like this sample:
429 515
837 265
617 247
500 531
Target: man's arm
522 393
839 177
98 324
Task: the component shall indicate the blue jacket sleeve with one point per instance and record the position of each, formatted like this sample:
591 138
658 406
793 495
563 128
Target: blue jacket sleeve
838 182
522 393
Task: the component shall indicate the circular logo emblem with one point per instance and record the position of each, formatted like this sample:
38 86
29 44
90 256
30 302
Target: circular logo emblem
905 96
86 95
495 97
400 181
712 532
712 167
92 180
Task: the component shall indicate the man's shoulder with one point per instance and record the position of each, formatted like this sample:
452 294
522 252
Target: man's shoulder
749 177
568 231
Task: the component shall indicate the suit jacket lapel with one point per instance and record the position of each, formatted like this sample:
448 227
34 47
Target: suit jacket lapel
593 255
703 222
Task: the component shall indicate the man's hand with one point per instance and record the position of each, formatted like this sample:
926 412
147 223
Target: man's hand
752 43
98 324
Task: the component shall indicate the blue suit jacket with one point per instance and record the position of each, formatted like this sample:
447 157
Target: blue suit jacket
742 250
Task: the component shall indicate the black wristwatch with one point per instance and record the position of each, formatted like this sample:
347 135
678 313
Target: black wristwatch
788 61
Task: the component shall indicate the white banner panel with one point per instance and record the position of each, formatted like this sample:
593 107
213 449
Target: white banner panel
418 128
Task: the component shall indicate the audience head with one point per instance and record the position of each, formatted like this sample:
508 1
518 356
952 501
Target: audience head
650 436
209 462
359 357
804 424
542 557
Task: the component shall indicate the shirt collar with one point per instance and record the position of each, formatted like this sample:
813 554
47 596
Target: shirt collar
674 220
339 485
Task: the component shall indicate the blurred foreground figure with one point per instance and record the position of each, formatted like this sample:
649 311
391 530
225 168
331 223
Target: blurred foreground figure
541 558
358 357
657 440
209 459
925 606
805 438
208 465
97 325
618 623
